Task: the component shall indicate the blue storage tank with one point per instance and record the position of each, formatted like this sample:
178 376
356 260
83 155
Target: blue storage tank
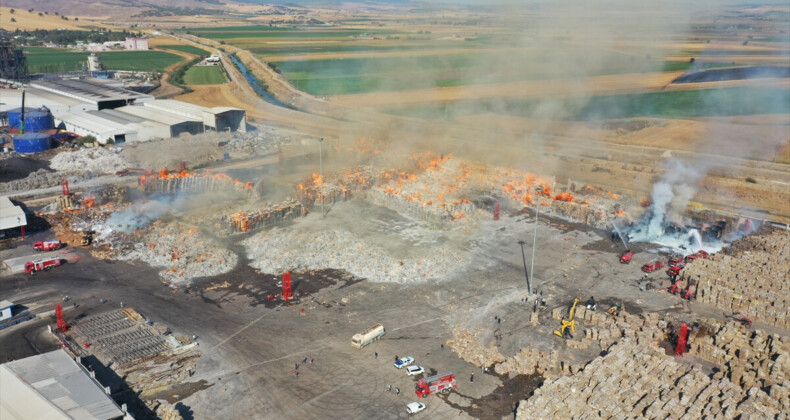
35 119
32 142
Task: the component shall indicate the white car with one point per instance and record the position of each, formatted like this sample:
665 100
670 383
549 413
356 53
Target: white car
403 362
414 370
415 407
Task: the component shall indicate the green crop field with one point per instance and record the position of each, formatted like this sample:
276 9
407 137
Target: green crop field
361 75
46 60
672 104
260 31
189 49
204 75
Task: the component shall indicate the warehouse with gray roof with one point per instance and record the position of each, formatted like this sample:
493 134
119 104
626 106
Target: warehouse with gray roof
53 386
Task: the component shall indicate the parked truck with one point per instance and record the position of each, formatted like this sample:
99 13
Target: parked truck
47 245
368 336
443 382
32 266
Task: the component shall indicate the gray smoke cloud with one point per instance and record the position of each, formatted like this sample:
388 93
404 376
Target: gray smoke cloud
670 196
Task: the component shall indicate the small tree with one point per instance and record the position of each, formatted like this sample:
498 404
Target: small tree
12 11
40 14
13 20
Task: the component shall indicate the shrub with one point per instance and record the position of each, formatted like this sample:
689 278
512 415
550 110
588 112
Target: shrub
751 180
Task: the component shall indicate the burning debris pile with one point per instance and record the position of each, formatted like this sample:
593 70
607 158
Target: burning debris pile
94 160
282 250
633 380
250 219
183 251
334 187
753 281
167 182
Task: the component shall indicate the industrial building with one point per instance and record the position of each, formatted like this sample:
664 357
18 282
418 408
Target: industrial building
102 94
13 63
6 309
11 216
89 124
216 118
53 386
178 124
104 109
137 44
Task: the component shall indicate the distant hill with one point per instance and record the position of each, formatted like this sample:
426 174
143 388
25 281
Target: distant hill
115 8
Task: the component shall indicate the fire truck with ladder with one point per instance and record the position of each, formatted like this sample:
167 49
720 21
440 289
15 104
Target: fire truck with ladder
32 266
443 382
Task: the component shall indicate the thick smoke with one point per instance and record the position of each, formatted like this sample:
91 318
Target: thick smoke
670 196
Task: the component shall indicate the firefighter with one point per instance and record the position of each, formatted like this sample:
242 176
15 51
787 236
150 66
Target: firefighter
591 305
472 378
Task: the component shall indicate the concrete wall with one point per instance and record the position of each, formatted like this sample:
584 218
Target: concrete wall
5 313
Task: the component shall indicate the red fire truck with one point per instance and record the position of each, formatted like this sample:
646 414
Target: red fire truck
443 382
32 266
47 245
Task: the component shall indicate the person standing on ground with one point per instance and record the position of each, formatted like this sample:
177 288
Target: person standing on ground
397 391
375 355
472 378
442 345
389 387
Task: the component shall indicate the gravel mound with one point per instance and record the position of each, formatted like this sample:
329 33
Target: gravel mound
41 178
284 249
18 167
95 160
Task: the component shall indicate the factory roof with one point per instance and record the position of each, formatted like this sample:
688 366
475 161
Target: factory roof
11 216
52 386
89 91
92 121
127 119
186 109
158 115
36 98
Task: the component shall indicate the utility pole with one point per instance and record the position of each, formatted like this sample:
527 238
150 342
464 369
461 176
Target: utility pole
321 170
524 258
535 236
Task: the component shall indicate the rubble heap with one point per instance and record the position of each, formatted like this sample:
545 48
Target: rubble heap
94 160
752 280
262 140
747 358
634 380
41 178
185 253
283 249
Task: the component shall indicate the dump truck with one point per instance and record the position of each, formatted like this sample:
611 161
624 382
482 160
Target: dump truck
368 336
443 382
32 266
47 245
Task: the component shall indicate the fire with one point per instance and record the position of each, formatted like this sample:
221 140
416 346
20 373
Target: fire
89 201
645 203
620 213
564 197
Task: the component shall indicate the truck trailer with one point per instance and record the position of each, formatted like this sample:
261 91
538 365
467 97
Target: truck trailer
368 336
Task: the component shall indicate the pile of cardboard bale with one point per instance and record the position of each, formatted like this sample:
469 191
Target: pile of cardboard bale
604 329
747 358
752 281
638 381
464 343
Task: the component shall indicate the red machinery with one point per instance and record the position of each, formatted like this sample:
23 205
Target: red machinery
746 322
653 266
33 266
59 315
626 257
47 245
65 187
443 382
682 336
287 293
